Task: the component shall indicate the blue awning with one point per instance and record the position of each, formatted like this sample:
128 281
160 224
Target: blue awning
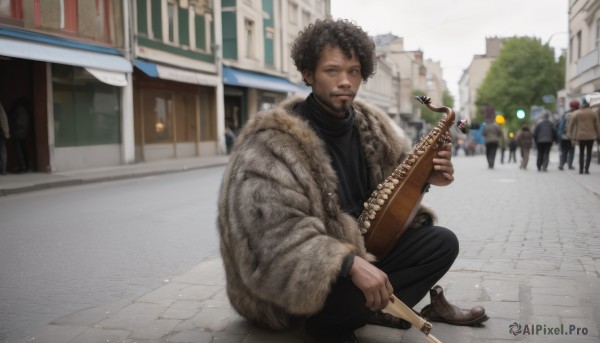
243 78
148 68
165 72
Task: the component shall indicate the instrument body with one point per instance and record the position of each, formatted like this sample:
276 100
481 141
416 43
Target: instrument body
394 204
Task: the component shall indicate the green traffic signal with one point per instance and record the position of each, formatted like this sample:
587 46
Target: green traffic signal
520 114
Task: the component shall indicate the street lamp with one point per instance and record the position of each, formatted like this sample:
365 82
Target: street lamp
554 34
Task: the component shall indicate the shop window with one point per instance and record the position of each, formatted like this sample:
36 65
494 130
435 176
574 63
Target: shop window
207 119
185 117
157 107
86 111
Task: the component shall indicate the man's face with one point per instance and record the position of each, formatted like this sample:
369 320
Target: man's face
335 81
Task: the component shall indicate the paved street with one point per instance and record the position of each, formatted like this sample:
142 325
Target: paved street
68 248
530 254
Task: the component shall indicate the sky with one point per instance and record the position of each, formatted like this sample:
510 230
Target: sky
453 31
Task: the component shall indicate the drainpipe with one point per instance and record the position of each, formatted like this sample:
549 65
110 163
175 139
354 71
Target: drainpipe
127 124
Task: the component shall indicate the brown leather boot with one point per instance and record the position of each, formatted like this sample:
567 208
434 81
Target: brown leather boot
440 310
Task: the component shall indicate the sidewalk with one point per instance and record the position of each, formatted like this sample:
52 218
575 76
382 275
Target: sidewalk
27 182
528 257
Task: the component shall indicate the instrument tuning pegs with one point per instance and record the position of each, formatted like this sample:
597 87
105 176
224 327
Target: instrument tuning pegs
425 100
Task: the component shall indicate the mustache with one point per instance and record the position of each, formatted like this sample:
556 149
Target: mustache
338 93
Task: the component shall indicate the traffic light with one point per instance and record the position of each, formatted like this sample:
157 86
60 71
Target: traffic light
520 114
500 119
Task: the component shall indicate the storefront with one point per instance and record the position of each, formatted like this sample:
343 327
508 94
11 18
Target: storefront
76 95
247 93
175 112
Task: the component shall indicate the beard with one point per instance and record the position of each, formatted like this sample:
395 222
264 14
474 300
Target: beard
342 108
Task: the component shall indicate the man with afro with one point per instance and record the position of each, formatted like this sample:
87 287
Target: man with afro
294 187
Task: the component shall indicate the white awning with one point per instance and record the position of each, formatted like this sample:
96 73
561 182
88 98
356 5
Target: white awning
99 62
186 76
109 77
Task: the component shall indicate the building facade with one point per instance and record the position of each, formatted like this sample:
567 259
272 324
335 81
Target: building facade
583 58
114 82
175 79
473 77
383 88
257 67
65 61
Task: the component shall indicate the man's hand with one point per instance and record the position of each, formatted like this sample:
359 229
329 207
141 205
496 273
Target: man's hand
372 282
443 170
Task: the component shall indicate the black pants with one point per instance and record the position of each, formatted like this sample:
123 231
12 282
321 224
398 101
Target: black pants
585 154
22 156
490 153
421 257
512 155
543 155
567 153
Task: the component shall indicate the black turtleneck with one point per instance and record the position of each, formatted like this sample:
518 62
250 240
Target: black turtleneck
343 145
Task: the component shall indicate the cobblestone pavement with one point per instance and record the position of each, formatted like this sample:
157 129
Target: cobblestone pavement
530 254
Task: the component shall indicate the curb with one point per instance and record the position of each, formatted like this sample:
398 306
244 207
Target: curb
83 180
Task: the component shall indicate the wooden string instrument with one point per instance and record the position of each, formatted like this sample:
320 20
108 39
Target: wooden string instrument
392 206
397 308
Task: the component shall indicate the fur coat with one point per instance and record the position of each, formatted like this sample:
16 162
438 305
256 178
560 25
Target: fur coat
283 236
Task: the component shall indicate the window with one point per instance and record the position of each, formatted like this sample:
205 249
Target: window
579 45
185 117
572 48
37 13
172 24
86 111
249 28
102 20
597 45
68 15
158 116
207 119
11 8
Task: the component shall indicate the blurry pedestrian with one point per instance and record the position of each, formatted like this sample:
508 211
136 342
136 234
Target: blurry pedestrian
567 150
502 145
525 141
512 148
584 128
229 138
20 120
492 133
544 135
4 135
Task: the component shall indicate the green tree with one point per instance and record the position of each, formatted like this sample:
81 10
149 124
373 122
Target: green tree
524 71
448 99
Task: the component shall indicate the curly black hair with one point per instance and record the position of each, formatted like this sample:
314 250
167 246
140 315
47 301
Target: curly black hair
341 33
